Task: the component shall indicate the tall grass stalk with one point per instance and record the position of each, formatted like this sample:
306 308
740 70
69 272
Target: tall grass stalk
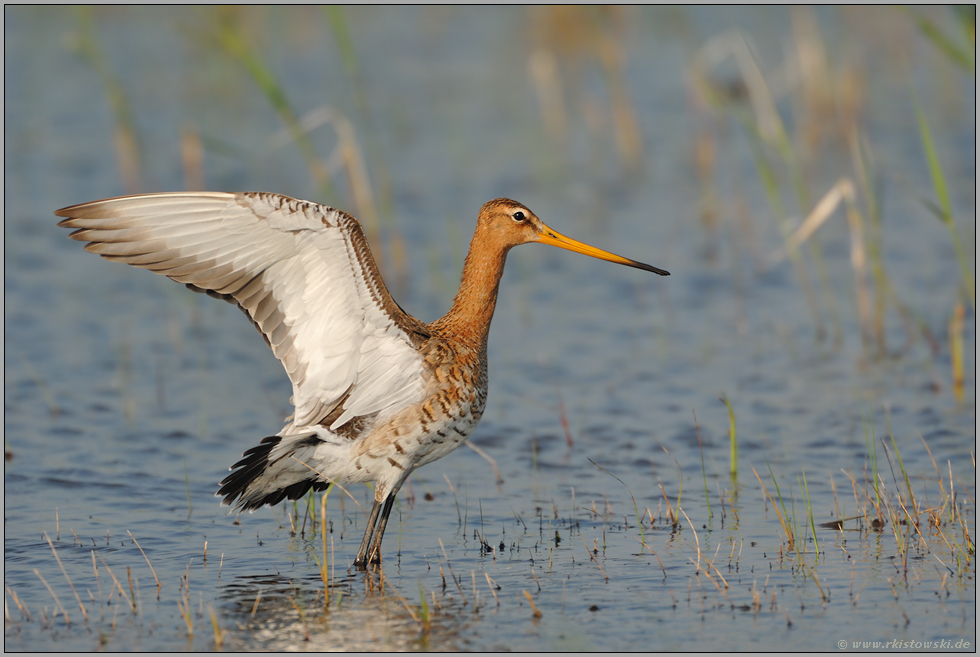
147 562
704 476
65 573
956 350
98 583
676 514
232 38
124 130
864 166
122 591
944 211
766 131
53 408
791 529
323 534
733 453
962 54
813 576
872 446
770 183
901 466
53 595
424 617
809 512
859 263
348 54
800 543
636 510
787 531
219 634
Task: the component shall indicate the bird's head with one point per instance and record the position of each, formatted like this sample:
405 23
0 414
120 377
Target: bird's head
510 223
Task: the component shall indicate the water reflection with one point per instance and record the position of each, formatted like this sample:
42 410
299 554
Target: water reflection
366 613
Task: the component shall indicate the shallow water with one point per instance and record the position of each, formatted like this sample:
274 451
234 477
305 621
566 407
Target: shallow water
126 396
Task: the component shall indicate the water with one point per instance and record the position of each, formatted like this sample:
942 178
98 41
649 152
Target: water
126 397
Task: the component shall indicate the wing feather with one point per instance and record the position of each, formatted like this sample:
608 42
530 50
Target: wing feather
302 272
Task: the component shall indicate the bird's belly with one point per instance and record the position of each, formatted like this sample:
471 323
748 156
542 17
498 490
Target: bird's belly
416 436
447 437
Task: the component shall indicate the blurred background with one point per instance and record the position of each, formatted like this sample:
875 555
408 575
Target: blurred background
807 175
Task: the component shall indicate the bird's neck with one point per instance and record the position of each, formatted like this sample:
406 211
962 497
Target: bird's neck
469 318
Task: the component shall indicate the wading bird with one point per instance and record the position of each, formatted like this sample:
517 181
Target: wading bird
377 393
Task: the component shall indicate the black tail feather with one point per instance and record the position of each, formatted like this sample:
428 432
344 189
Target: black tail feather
254 464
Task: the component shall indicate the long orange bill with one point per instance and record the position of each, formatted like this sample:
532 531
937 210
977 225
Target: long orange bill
554 238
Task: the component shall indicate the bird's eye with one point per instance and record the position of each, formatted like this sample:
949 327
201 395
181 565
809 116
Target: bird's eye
519 217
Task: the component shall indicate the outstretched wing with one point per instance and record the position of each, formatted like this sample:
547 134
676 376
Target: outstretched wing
302 272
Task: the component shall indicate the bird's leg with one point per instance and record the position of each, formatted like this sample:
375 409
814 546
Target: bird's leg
360 561
374 554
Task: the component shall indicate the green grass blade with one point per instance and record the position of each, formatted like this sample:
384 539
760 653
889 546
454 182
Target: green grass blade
873 455
424 609
233 40
733 454
958 53
942 196
901 466
790 527
636 509
935 170
704 476
809 510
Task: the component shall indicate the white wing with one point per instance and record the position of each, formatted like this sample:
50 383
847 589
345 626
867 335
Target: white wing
304 274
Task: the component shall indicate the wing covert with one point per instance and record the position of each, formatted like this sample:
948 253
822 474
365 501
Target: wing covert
302 272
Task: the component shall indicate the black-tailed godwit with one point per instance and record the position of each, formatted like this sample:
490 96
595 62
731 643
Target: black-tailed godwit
377 393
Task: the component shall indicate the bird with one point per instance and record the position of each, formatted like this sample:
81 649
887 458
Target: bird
376 392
